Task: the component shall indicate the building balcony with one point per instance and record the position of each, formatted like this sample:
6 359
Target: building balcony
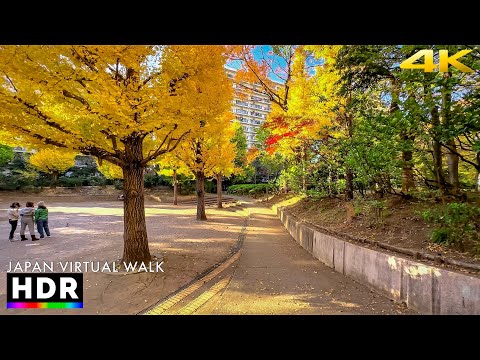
240 111
258 115
251 106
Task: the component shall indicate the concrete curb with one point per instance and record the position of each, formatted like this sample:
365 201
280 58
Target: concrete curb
424 288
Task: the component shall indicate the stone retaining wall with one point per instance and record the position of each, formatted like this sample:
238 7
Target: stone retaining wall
424 288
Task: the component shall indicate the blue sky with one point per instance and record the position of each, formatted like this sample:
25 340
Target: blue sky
263 51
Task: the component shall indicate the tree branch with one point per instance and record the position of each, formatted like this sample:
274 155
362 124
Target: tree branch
68 94
115 72
42 116
89 148
173 82
11 82
153 130
83 60
271 94
476 166
45 140
145 82
178 141
103 154
80 81
161 151
114 142
163 142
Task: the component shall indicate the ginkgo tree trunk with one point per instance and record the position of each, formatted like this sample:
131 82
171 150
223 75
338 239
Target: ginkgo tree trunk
209 152
126 105
220 157
170 166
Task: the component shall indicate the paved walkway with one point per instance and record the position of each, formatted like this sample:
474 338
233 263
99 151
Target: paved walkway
274 275
90 228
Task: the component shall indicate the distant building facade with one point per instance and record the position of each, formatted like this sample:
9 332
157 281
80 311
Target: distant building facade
251 110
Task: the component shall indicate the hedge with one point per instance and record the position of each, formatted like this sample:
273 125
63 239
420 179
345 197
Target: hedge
250 189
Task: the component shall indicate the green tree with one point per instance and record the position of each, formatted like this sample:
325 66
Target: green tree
6 154
240 141
367 67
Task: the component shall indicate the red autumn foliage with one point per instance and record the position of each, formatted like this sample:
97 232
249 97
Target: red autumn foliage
285 123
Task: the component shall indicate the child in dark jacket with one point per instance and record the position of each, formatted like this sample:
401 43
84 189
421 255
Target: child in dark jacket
41 219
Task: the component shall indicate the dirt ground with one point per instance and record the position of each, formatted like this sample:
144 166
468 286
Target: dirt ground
401 224
90 228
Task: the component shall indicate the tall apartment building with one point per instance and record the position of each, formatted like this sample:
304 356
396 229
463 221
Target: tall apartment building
251 111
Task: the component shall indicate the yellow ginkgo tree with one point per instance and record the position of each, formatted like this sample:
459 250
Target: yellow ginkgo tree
201 151
109 170
52 161
170 165
220 156
209 115
123 104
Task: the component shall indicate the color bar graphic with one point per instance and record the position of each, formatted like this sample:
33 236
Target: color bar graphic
44 305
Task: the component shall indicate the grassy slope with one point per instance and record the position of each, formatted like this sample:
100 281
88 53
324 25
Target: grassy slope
400 222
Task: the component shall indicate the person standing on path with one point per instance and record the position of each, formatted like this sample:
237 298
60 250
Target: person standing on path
13 216
41 219
26 219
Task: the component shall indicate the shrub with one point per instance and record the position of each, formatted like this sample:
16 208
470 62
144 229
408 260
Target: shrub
153 179
97 181
8 184
457 225
316 194
30 189
441 235
14 181
83 171
118 184
43 181
210 186
186 186
250 189
71 181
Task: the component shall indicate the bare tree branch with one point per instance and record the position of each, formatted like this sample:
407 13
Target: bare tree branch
274 97
271 94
